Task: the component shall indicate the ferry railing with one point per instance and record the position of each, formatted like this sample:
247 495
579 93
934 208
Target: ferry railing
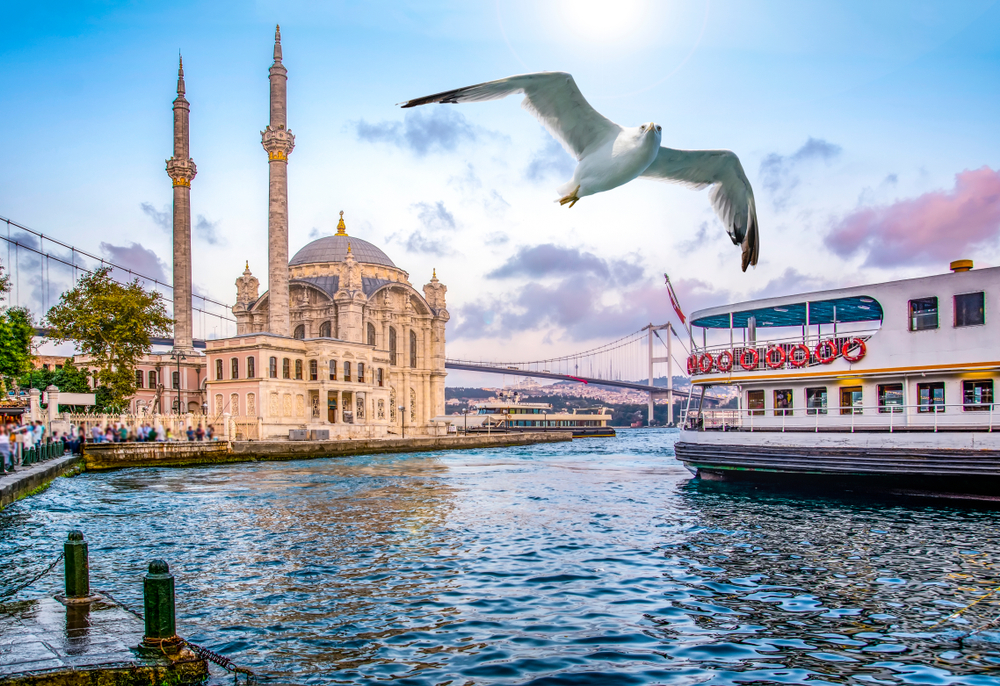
886 417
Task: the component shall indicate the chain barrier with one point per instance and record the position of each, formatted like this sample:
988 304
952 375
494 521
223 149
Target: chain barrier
18 589
204 653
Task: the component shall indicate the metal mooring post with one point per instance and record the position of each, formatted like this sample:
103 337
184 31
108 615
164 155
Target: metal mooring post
77 568
158 599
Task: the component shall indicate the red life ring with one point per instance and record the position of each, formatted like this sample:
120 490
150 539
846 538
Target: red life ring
782 356
725 361
799 362
701 363
831 346
753 354
692 364
862 349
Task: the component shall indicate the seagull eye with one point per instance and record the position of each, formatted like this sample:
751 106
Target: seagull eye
642 128
659 128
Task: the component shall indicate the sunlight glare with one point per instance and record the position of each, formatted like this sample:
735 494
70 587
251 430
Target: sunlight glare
604 21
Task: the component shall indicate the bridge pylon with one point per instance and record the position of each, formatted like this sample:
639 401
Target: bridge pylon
653 328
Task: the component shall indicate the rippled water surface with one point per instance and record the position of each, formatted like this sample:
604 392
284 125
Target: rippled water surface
596 562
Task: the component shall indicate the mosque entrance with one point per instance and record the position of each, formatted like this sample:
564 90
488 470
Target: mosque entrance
331 407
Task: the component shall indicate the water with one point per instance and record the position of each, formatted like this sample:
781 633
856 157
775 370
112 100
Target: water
594 562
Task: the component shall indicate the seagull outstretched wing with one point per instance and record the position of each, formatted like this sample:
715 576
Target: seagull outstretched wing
552 97
731 194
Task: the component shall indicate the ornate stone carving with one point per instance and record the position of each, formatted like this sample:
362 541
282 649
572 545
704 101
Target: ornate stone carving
247 288
278 142
434 292
181 171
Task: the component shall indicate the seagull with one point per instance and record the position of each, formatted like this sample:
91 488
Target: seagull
611 155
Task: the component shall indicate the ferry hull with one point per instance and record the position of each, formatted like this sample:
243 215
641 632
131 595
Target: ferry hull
578 432
917 465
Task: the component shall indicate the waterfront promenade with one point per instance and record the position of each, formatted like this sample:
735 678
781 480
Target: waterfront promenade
585 562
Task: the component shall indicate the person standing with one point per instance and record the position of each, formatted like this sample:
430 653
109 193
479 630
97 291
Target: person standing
200 433
5 450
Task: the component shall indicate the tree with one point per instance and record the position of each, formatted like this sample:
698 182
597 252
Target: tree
16 331
114 324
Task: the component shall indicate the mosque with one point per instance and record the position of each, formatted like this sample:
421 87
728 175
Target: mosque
340 345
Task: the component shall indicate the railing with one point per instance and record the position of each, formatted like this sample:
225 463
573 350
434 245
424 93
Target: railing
921 417
794 352
42 452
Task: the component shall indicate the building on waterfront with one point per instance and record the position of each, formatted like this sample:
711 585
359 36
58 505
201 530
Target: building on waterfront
341 342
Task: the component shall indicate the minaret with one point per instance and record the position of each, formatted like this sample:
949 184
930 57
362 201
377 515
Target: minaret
278 141
181 169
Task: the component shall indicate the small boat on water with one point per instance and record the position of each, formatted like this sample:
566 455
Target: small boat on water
886 387
508 413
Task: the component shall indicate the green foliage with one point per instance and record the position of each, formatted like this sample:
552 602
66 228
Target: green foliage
71 379
113 324
16 332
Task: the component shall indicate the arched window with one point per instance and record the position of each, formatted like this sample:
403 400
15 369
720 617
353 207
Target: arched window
413 349
286 368
273 368
300 332
138 378
333 370
177 381
371 334
152 379
380 377
218 370
392 345
347 371
234 368
298 369
251 371
324 330
313 370
361 372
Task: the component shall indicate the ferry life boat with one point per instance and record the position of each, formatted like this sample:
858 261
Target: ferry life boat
885 387
507 412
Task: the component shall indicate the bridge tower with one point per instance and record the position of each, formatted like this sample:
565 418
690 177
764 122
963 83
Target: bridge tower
182 170
670 370
278 141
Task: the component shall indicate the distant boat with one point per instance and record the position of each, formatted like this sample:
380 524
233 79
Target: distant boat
637 424
508 413
886 387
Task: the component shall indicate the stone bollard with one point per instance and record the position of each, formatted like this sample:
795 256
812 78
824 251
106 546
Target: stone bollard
77 568
158 599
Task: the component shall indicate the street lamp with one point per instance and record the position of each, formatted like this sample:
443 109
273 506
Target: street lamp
177 355
402 416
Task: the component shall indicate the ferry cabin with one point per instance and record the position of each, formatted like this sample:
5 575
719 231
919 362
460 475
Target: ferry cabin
918 354
537 415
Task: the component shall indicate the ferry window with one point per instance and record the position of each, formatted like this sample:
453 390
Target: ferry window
218 369
234 368
816 400
923 314
298 369
274 368
890 398
755 402
333 370
850 400
977 395
313 370
251 367
286 368
970 309
930 397
783 403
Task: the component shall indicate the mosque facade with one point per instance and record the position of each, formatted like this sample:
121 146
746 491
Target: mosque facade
341 345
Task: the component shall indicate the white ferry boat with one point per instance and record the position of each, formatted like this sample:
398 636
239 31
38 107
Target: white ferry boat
884 387
507 412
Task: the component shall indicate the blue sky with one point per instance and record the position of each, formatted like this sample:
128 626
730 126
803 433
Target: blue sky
868 131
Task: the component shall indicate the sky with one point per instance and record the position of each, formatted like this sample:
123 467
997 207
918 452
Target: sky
867 130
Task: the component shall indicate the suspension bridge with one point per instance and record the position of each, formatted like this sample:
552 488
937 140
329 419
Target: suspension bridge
628 362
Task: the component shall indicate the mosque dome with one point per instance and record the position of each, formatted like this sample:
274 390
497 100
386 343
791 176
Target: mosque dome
334 249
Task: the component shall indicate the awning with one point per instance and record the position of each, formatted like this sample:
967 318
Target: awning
861 308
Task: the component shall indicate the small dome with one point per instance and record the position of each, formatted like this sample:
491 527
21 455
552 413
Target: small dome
334 249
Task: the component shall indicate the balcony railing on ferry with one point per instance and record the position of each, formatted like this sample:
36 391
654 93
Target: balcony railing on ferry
867 418
786 353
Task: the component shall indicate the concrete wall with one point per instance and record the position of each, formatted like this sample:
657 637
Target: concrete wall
119 455
27 479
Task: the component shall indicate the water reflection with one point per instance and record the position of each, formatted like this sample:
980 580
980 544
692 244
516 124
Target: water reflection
593 562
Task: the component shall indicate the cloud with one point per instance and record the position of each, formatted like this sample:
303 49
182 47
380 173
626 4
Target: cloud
435 129
497 238
934 227
417 242
549 260
315 233
792 281
164 219
470 185
208 231
551 160
779 172
137 258
435 217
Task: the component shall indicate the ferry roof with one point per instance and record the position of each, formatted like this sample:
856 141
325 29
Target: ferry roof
854 304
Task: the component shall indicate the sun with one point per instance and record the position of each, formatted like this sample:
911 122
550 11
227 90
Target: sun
604 21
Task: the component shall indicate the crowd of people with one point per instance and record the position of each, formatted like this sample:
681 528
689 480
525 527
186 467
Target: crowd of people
16 439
